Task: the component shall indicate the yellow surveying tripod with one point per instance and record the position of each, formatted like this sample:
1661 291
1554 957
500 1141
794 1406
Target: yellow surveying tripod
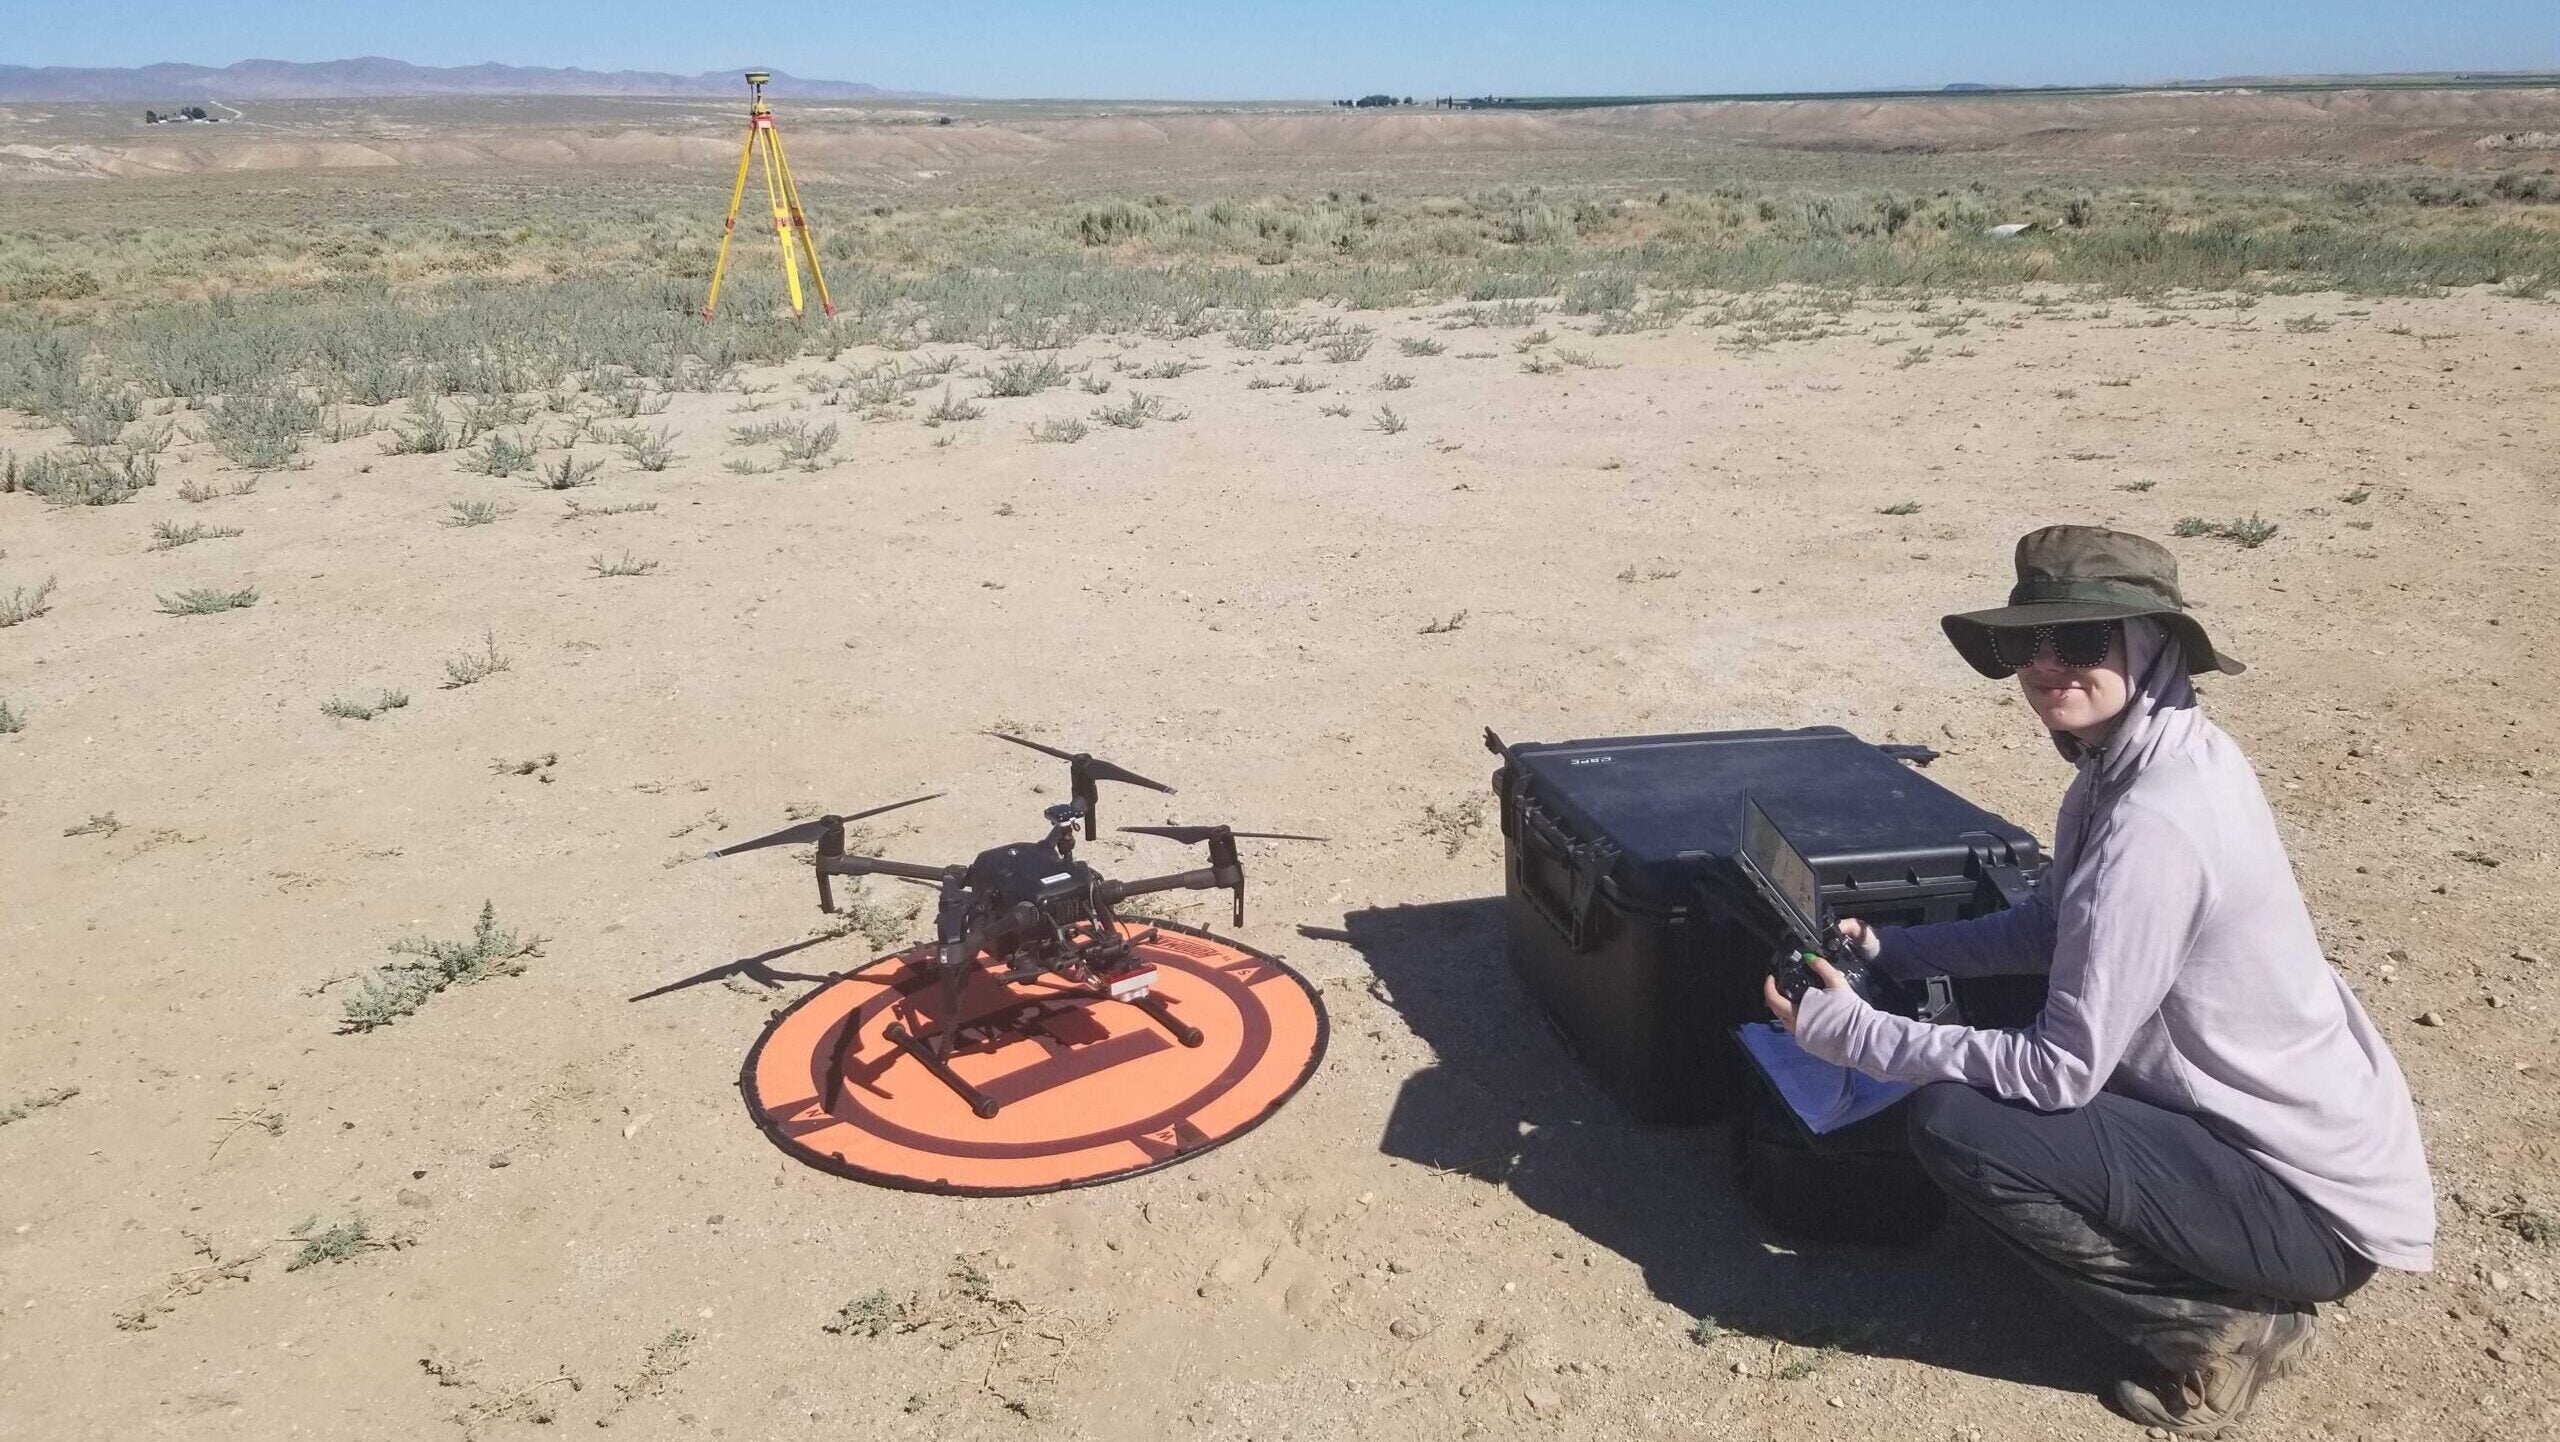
782 193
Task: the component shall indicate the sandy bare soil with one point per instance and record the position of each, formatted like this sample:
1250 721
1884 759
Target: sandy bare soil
2475 128
1449 1232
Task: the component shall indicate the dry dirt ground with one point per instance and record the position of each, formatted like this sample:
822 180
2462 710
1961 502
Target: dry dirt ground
1449 1232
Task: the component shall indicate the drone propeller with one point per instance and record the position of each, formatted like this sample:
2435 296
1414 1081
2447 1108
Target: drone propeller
808 831
1194 835
1094 766
1083 770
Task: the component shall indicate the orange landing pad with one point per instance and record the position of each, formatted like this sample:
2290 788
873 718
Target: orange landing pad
1090 1091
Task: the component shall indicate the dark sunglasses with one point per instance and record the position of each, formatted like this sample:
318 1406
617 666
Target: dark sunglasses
2078 644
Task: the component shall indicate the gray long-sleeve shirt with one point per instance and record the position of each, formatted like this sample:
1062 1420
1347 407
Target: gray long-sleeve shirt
2184 973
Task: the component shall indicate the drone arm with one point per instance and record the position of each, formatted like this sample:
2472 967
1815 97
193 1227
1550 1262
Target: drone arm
1224 871
840 865
1200 880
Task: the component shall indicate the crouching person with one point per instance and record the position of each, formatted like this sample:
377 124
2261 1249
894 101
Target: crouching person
2202 1136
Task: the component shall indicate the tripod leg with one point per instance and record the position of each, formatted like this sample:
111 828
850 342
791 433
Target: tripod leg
773 193
737 193
800 223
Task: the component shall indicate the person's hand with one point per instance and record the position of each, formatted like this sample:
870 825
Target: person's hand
1785 1010
1861 936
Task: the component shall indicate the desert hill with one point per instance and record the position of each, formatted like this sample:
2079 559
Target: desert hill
373 76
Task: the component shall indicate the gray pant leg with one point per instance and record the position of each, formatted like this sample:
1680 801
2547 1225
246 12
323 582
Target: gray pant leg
2165 1237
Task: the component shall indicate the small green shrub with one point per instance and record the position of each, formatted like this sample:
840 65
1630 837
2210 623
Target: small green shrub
336 425
1346 347
422 430
1386 421
26 1107
650 451
87 477
951 408
623 565
397 989
580 512
567 473
1112 223
2247 534
100 423
169 535
337 1242
359 711
484 413
473 513
1136 411
1900 508
808 449
499 455
1061 430
868 1315
263 429
1023 376
22 605
2250 534
197 492
472 667
207 601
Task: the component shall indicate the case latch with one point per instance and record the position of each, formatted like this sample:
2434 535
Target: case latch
1995 864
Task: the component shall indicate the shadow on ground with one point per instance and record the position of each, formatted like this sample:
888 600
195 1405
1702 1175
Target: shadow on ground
1507 1103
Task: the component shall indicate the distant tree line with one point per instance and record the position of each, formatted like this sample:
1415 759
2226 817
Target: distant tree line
184 112
1445 102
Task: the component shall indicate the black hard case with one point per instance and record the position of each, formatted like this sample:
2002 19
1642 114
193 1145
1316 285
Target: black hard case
1630 922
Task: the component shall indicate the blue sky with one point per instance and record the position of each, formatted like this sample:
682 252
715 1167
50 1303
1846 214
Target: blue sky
1134 48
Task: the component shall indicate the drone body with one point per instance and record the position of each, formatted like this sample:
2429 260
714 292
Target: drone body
1027 910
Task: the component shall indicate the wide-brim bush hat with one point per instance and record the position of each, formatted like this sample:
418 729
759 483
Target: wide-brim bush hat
2087 573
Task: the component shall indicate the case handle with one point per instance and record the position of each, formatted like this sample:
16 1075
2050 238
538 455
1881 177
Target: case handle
1584 865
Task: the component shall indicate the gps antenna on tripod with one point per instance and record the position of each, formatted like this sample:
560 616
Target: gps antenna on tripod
782 194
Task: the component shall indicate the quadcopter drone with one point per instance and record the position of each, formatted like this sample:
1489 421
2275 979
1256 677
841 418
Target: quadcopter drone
1030 909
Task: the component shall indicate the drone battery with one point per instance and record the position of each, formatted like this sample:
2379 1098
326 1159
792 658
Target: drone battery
1630 923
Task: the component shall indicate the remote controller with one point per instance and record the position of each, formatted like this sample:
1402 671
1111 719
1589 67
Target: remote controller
1792 967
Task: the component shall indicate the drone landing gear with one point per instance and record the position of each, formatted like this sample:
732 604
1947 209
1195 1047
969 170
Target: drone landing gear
935 1059
934 1051
1163 1016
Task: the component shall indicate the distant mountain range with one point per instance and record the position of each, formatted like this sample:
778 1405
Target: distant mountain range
371 77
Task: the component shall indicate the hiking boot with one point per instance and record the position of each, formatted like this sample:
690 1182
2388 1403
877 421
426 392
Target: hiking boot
2209 1397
